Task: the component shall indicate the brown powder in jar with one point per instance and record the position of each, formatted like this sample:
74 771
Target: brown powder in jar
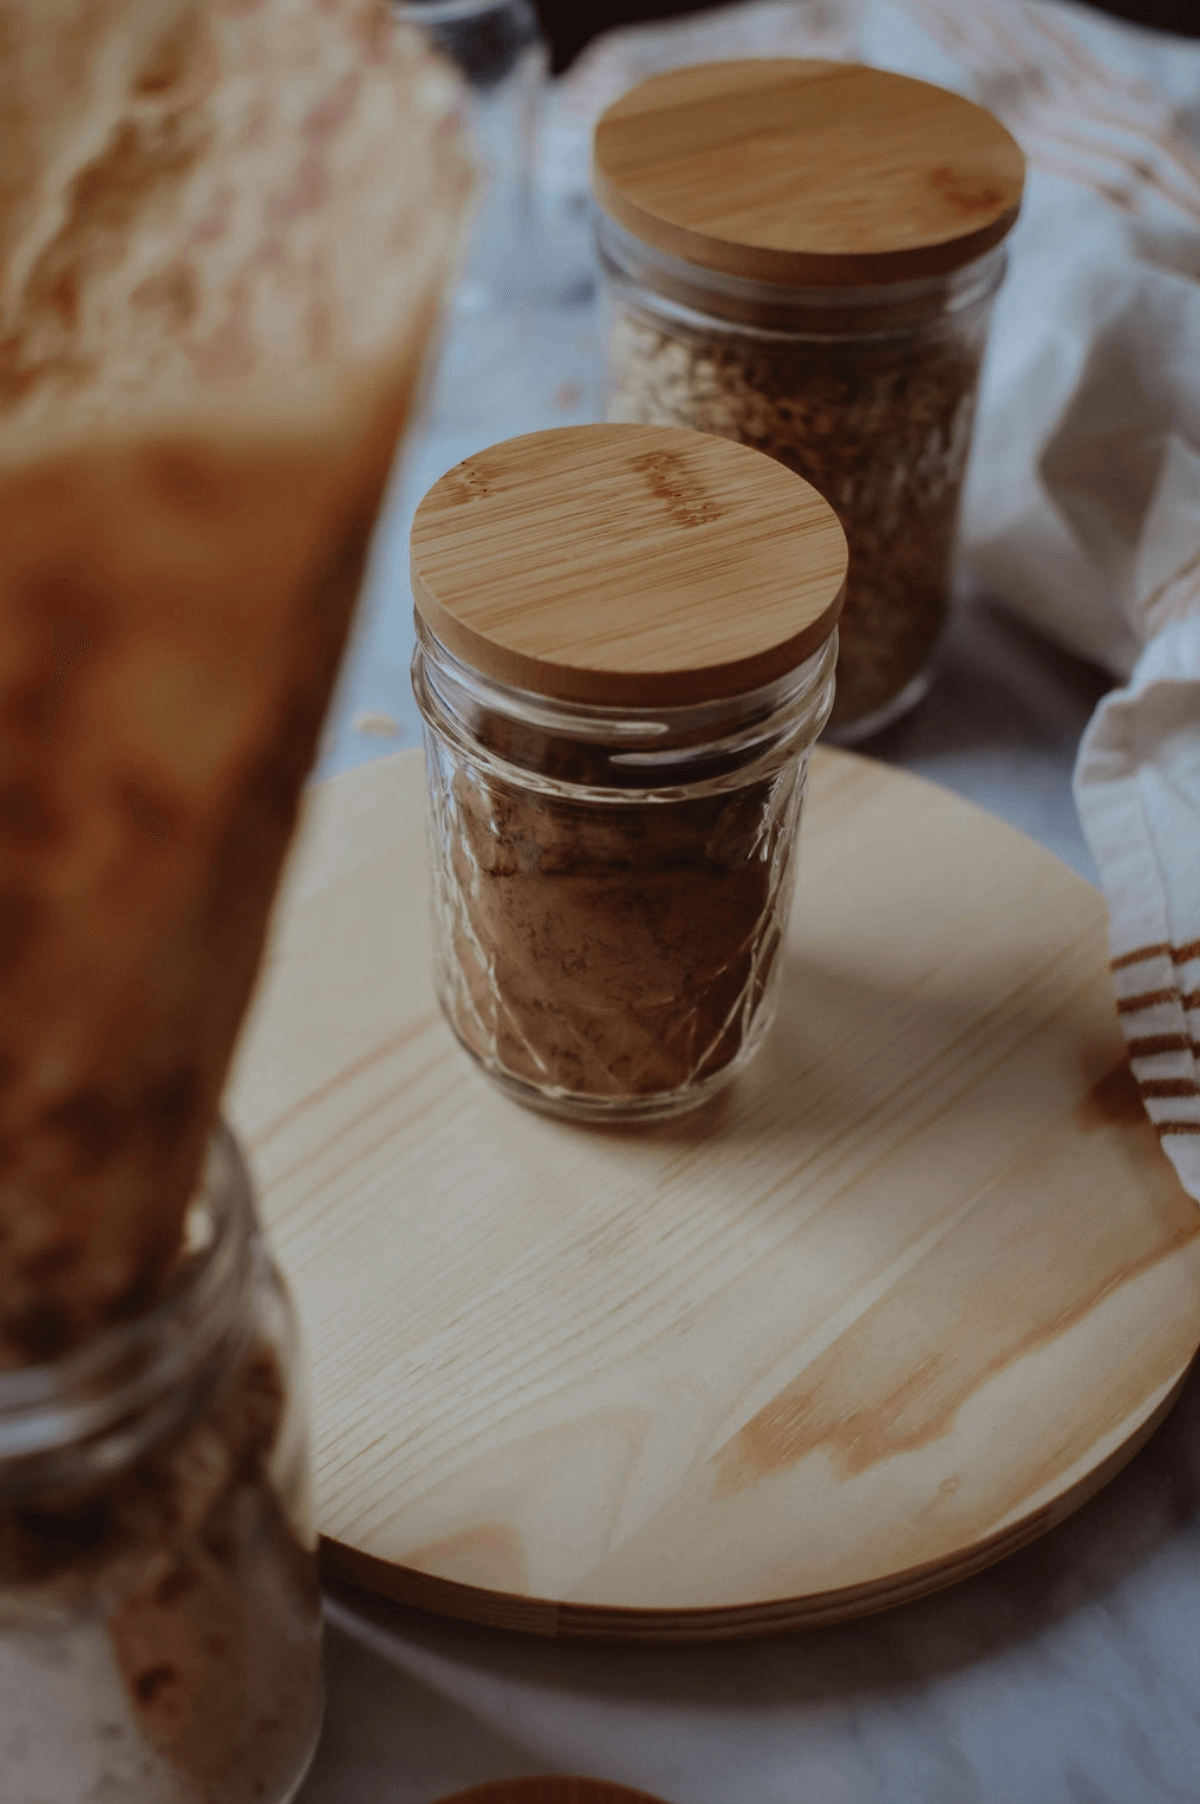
189 1564
608 949
880 426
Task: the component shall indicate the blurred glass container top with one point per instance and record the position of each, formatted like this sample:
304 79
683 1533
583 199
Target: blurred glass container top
499 48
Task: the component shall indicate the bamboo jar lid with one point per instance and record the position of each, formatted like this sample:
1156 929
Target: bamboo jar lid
627 565
807 173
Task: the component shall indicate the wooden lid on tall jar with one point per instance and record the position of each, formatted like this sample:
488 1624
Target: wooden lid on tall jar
627 565
807 173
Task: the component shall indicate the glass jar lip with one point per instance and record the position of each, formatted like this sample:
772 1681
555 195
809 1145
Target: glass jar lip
635 757
630 720
129 1366
739 299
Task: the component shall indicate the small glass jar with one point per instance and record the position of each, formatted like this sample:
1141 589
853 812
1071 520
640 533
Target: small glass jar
499 49
813 341
160 1613
612 881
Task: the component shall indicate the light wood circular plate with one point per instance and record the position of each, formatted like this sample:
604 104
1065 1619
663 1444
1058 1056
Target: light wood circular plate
898 1304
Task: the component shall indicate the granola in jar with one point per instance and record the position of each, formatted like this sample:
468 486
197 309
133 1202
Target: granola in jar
830 311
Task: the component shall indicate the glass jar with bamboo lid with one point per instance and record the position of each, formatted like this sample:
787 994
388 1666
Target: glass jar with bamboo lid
802 255
625 647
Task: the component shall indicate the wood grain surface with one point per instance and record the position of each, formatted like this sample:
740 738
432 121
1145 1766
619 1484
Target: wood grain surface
627 564
799 171
917 1287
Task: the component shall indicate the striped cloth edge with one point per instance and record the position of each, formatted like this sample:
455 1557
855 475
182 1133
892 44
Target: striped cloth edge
1137 788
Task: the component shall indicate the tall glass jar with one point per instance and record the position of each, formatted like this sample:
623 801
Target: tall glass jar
807 264
614 794
160 1615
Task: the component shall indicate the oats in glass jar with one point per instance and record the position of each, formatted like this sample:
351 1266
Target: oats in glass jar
802 256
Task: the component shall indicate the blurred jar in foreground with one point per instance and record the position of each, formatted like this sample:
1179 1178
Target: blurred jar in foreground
802 255
160 1613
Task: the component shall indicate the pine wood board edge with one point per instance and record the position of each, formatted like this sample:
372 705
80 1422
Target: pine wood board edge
573 1622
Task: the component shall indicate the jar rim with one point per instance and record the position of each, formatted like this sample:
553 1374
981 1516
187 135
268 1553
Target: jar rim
635 753
126 1369
781 310
621 720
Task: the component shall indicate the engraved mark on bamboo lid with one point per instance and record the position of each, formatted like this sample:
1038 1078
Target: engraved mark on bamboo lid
677 489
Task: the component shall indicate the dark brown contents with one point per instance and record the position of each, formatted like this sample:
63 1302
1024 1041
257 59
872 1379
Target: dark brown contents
607 949
880 426
210 1600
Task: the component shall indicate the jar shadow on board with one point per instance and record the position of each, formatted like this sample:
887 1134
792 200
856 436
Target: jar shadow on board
829 310
160 1611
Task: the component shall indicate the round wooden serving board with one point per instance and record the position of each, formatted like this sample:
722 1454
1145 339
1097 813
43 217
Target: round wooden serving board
899 1303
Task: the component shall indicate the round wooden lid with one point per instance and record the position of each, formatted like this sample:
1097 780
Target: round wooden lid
804 172
627 565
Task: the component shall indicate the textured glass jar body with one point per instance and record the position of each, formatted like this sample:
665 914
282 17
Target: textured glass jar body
160 1615
867 393
611 890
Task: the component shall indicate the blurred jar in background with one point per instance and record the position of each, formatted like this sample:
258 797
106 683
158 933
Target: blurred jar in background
499 48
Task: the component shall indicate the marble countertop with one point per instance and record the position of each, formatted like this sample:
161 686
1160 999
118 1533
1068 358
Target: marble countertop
1068 1674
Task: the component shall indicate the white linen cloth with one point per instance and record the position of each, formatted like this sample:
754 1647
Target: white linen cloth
1137 786
1082 507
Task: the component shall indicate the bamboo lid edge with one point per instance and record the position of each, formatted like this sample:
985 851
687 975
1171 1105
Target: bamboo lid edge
903 179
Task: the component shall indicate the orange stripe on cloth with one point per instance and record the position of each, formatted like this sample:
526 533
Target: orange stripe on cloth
1162 950
1179 955
1149 1044
1133 1005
